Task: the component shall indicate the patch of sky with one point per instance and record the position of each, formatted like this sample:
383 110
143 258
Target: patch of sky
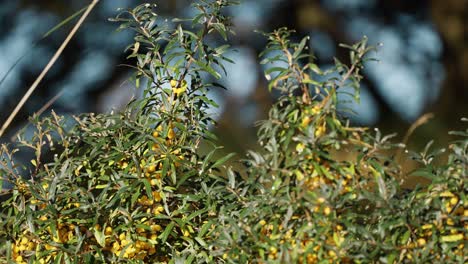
346 5
399 83
189 11
242 75
409 53
323 46
29 27
248 15
109 8
90 70
424 52
104 36
7 7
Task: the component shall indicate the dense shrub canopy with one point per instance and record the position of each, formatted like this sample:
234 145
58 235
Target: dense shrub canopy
136 186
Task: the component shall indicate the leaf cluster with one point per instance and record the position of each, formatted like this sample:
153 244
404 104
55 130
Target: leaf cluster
136 186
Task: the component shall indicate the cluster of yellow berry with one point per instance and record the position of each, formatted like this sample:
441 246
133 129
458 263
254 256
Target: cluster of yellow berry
450 228
63 234
178 88
27 246
307 118
455 214
326 177
21 248
27 243
143 244
141 248
311 258
151 205
306 249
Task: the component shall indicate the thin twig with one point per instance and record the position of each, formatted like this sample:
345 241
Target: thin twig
419 122
49 103
47 68
42 110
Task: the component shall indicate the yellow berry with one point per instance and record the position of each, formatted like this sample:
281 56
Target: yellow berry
305 121
319 131
157 196
155 147
300 147
421 242
124 242
24 240
450 221
49 247
156 228
178 90
448 207
171 134
273 250
159 209
151 168
108 230
454 200
116 246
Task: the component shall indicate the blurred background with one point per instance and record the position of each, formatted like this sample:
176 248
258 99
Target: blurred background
423 63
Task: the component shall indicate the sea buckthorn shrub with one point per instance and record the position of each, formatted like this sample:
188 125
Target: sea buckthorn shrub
131 186
145 185
301 203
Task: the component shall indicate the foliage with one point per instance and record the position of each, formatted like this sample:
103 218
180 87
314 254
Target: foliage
130 185
136 187
300 204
